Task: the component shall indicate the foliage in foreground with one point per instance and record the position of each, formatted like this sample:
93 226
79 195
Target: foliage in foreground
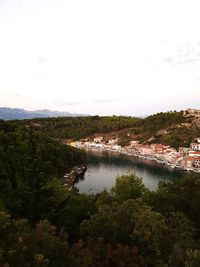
43 224
114 230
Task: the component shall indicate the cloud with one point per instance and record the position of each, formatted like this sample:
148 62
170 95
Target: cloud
39 75
19 96
103 101
186 55
61 103
42 59
19 5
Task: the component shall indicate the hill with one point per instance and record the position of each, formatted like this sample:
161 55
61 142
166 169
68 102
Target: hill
43 223
171 128
20 114
80 127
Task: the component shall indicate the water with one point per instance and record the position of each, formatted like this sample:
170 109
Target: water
105 166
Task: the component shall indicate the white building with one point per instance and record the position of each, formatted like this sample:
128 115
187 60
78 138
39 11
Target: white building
95 145
113 141
196 145
116 147
194 153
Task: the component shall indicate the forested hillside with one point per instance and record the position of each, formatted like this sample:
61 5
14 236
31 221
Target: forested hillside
164 127
76 128
170 128
29 160
44 224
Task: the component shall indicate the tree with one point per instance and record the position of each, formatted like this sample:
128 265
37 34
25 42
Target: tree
23 246
95 252
128 187
179 195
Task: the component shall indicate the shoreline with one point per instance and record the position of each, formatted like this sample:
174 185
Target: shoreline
150 158
70 178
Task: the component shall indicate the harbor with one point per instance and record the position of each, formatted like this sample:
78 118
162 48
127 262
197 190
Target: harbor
69 179
104 166
183 159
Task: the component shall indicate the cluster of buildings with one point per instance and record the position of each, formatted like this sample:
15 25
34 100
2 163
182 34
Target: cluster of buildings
184 158
191 112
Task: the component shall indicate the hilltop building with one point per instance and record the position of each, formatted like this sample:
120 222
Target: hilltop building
191 112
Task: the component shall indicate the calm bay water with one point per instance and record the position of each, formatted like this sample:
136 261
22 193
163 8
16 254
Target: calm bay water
104 166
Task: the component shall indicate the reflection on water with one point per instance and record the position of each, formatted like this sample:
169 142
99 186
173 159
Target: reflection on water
104 166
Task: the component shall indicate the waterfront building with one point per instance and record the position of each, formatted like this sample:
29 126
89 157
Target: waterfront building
145 150
134 143
160 148
194 153
113 141
197 162
185 158
184 150
96 145
189 162
195 145
98 139
116 147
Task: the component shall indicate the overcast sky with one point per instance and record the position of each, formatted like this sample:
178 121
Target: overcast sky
100 57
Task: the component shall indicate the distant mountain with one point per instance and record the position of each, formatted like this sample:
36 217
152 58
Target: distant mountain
20 114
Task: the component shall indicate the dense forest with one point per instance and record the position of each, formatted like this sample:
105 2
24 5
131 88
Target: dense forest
80 127
44 224
29 161
170 128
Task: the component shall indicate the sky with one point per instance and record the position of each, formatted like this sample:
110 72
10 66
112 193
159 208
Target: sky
105 57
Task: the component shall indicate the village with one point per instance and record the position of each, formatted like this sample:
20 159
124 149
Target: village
185 158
